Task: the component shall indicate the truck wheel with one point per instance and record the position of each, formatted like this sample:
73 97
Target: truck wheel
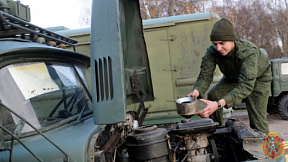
283 107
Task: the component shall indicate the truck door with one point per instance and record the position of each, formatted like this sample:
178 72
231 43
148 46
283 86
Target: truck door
159 59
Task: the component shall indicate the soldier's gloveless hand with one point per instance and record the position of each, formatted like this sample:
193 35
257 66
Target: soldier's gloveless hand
194 93
211 107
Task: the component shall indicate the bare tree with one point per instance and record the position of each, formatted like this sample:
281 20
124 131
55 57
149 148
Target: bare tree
171 8
164 8
253 21
279 14
146 9
263 22
85 16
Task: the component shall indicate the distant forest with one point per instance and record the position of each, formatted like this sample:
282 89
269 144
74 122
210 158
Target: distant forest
263 22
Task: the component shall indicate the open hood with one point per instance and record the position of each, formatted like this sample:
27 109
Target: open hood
118 52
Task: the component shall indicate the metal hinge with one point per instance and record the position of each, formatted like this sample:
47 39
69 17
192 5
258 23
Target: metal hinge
171 38
176 68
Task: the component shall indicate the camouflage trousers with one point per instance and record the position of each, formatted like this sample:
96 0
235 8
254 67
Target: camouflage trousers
256 103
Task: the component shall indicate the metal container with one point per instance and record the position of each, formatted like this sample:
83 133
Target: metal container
148 142
187 106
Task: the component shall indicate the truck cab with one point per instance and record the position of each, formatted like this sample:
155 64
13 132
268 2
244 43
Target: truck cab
46 103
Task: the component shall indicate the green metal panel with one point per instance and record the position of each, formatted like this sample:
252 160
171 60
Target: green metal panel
19 10
275 86
116 55
187 51
159 59
83 37
106 46
73 139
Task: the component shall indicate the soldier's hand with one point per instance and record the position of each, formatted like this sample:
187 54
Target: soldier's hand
211 107
194 93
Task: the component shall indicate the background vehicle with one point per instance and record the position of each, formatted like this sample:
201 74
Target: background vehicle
279 87
46 93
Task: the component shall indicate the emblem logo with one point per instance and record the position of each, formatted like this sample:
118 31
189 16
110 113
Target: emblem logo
273 146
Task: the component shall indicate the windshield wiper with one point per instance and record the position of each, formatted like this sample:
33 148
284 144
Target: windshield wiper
79 118
82 83
88 93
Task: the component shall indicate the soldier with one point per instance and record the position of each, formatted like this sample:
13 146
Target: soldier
246 76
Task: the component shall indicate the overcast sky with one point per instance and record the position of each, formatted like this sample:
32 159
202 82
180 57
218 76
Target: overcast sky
50 13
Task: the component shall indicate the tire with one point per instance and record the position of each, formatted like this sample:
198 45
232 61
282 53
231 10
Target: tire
283 107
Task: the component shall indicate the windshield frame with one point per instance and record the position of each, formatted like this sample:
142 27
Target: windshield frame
75 59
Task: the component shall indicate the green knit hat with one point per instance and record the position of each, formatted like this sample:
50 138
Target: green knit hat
223 31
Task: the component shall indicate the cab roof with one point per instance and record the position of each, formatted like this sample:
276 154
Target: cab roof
12 51
180 18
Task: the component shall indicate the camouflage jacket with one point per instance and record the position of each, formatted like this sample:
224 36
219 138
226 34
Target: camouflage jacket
244 65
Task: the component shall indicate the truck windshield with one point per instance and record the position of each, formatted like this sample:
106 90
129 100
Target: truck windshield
44 93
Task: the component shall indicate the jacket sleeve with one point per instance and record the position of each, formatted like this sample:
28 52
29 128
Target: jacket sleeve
246 79
205 77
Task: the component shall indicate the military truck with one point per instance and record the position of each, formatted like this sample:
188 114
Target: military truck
279 87
60 105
